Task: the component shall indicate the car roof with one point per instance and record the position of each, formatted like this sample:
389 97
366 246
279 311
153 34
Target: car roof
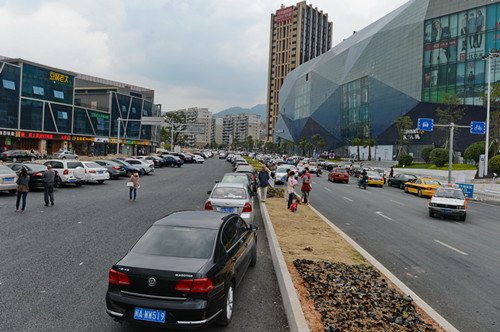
236 174
230 185
244 168
196 219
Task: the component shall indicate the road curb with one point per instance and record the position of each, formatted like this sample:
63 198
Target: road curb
293 309
405 289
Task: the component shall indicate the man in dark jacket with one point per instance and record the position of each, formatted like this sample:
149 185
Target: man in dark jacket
48 181
263 177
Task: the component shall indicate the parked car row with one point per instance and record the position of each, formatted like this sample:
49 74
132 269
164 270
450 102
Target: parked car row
182 273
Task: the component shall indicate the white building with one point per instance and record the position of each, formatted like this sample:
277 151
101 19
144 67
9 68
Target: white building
201 119
236 128
217 127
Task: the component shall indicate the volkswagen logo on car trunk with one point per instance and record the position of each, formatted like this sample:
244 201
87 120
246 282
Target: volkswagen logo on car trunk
152 282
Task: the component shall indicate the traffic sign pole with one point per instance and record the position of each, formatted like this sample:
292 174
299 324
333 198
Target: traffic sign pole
488 106
450 156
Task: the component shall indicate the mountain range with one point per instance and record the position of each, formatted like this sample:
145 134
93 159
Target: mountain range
257 109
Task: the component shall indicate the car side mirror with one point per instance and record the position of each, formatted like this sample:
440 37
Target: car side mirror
253 227
209 192
217 181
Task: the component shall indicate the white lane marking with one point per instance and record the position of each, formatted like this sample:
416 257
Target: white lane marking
80 264
397 202
327 189
383 216
314 182
348 199
452 248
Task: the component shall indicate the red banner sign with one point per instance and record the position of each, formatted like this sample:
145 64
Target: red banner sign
32 135
284 14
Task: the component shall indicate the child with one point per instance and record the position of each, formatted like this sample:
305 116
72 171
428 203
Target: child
295 205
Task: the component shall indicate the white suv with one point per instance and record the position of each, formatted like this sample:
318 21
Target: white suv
70 171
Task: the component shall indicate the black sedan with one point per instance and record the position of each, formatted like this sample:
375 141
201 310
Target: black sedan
17 156
399 180
183 271
172 160
35 172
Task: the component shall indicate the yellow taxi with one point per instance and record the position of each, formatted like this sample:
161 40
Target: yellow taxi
422 186
375 179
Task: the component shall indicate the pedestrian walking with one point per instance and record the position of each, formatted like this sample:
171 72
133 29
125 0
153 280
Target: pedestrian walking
306 185
391 173
133 185
48 185
22 189
290 188
263 177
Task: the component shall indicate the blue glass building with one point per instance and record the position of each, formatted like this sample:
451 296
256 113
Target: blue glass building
45 109
402 64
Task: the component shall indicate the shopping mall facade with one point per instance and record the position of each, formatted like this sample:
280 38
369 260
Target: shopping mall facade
47 109
403 64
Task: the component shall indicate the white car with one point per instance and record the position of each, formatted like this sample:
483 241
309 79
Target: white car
70 171
95 172
281 172
65 155
142 166
8 179
448 201
198 159
145 158
232 198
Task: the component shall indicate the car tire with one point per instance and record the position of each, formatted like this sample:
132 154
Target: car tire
389 183
253 260
419 193
142 172
100 181
78 184
462 218
431 214
227 312
401 186
406 189
13 191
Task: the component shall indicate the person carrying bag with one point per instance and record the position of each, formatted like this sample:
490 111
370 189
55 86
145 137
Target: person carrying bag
22 189
133 185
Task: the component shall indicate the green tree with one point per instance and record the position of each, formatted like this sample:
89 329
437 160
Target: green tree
403 123
439 157
288 146
476 149
405 160
425 153
305 146
179 125
369 142
357 142
494 164
453 112
318 143
249 142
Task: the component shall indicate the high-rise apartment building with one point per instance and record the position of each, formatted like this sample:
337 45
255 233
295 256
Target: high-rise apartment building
201 121
236 128
298 34
217 127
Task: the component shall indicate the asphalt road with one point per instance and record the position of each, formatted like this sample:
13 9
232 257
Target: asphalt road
454 266
54 261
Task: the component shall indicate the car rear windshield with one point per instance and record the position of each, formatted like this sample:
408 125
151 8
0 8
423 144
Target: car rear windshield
5 170
36 167
229 193
449 193
92 165
431 182
283 169
74 164
373 174
340 171
235 179
171 241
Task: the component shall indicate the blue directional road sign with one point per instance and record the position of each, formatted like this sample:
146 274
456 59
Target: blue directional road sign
425 124
478 127
468 189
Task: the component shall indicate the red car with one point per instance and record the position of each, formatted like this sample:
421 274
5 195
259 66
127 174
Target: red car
339 175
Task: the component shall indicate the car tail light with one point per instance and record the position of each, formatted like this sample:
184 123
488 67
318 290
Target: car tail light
37 174
370 179
116 167
247 207
91 171
118 278
66 172
203 285
208 206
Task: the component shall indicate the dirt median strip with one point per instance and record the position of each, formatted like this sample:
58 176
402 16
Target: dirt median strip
318 257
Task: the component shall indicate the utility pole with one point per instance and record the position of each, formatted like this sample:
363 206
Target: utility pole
493 54
118 139
452 127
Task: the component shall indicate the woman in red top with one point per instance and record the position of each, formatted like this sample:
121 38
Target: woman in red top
306 185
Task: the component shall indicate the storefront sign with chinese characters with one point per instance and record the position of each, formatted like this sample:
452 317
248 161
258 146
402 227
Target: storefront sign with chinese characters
101 140
82 139
412 134
35 135
7 133
61 78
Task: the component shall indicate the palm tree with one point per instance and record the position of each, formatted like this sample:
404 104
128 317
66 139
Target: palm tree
369 142
357 142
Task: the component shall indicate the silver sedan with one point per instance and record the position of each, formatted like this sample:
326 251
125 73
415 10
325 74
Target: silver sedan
232 198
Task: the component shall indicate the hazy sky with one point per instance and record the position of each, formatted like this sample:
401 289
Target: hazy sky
205 53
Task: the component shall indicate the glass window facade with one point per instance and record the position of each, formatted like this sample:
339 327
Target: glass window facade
100 121
355 114
453 49
9 99
31 114
82 123
57 86
63 116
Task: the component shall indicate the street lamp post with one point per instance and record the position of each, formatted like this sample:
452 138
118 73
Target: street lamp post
493 54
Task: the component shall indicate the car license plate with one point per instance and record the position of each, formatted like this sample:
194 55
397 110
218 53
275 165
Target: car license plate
71 180
447 211
150 315
8 180
99 172
227 209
